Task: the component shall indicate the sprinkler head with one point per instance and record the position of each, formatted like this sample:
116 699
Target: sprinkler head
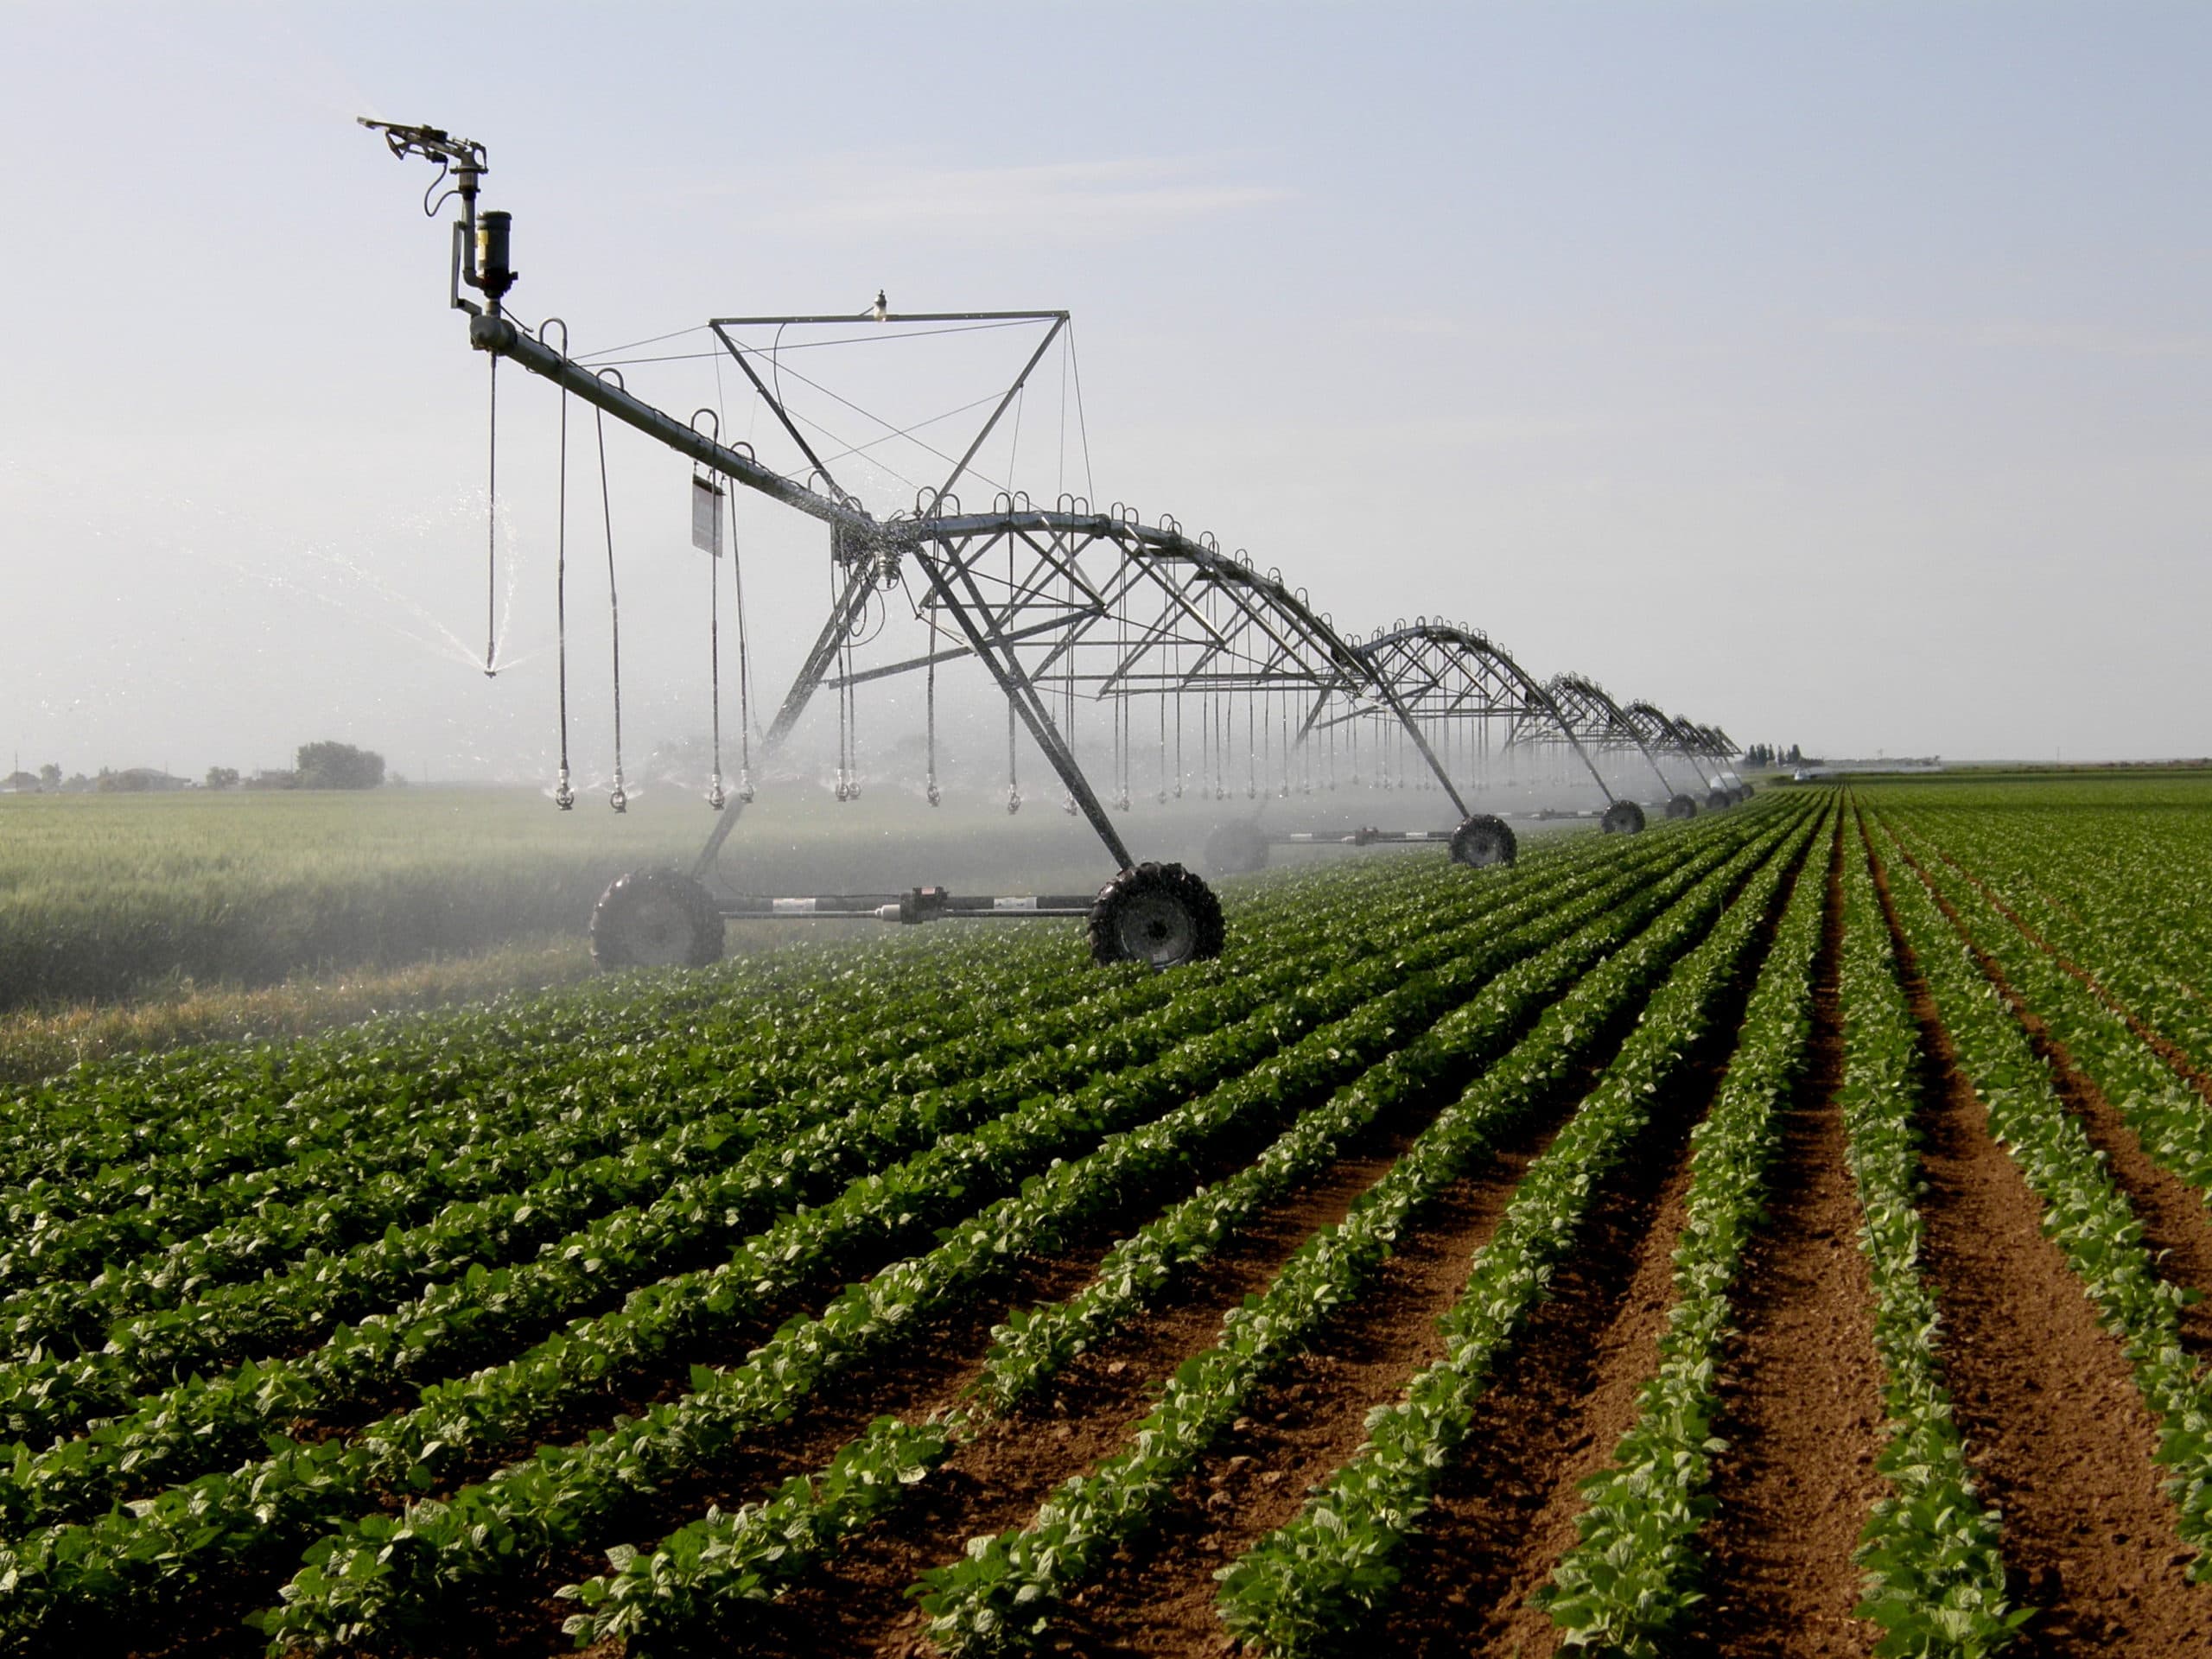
935 796
619 800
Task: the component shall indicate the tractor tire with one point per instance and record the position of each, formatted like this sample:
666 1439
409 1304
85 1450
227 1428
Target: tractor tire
1743 791
1483 840
1681 807
1236 848
656 918
1720 798
1156 913
1622 819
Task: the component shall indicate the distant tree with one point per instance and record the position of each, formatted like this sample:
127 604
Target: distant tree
1796 756
222 777
339 766
49 776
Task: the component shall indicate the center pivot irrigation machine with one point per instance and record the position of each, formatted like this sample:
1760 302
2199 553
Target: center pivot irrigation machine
1230 676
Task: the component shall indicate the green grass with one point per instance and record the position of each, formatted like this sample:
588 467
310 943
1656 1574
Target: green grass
108 900
104 898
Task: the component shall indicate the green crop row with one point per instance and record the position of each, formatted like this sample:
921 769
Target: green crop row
345 1112
1000 1596
382 1576
1315 1584
1932 1553
2127 904
120 1311
1036 1344
1629 1585
2085 1213
189 1529
2171 1119
383 1168
198 1425
694 1575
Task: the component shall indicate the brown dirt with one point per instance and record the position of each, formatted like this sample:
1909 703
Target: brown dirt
1803 1393
1310 1419
1566 1394
1299 1427
1549 1421
2052 1422
2175 1224
857 1603
1312 1416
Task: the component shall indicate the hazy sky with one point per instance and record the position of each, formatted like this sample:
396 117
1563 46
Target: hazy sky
1837 373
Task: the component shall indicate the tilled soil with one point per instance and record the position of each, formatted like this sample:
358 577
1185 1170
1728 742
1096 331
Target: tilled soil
996 1480
2055 1428
2052 1422
2173 1213
1299 1428
1563 1397
1801 1400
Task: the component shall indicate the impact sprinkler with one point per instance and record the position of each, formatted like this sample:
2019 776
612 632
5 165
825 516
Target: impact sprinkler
480 260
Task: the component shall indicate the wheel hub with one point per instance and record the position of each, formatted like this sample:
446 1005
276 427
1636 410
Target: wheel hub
1157 930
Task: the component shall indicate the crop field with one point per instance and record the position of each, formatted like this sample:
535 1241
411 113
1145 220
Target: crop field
1777 1232
108 897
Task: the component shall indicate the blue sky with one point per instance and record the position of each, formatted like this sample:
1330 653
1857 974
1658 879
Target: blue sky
1837 373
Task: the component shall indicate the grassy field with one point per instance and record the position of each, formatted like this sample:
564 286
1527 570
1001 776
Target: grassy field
107 898
185 902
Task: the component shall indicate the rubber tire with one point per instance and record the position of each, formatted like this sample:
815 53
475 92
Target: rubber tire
1681 807
1237 847
1720 798
1622 819
1157 913
655 919
1483 841
1743 791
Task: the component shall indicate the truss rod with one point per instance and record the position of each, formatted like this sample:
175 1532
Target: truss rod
844 616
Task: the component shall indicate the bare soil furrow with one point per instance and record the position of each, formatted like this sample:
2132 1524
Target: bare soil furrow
1802 1400
2173 1213
1505 1511
2051 1419
995 1479
1310 1417
1302 1426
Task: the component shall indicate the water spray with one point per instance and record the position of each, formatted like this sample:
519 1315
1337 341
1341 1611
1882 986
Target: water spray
482 243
